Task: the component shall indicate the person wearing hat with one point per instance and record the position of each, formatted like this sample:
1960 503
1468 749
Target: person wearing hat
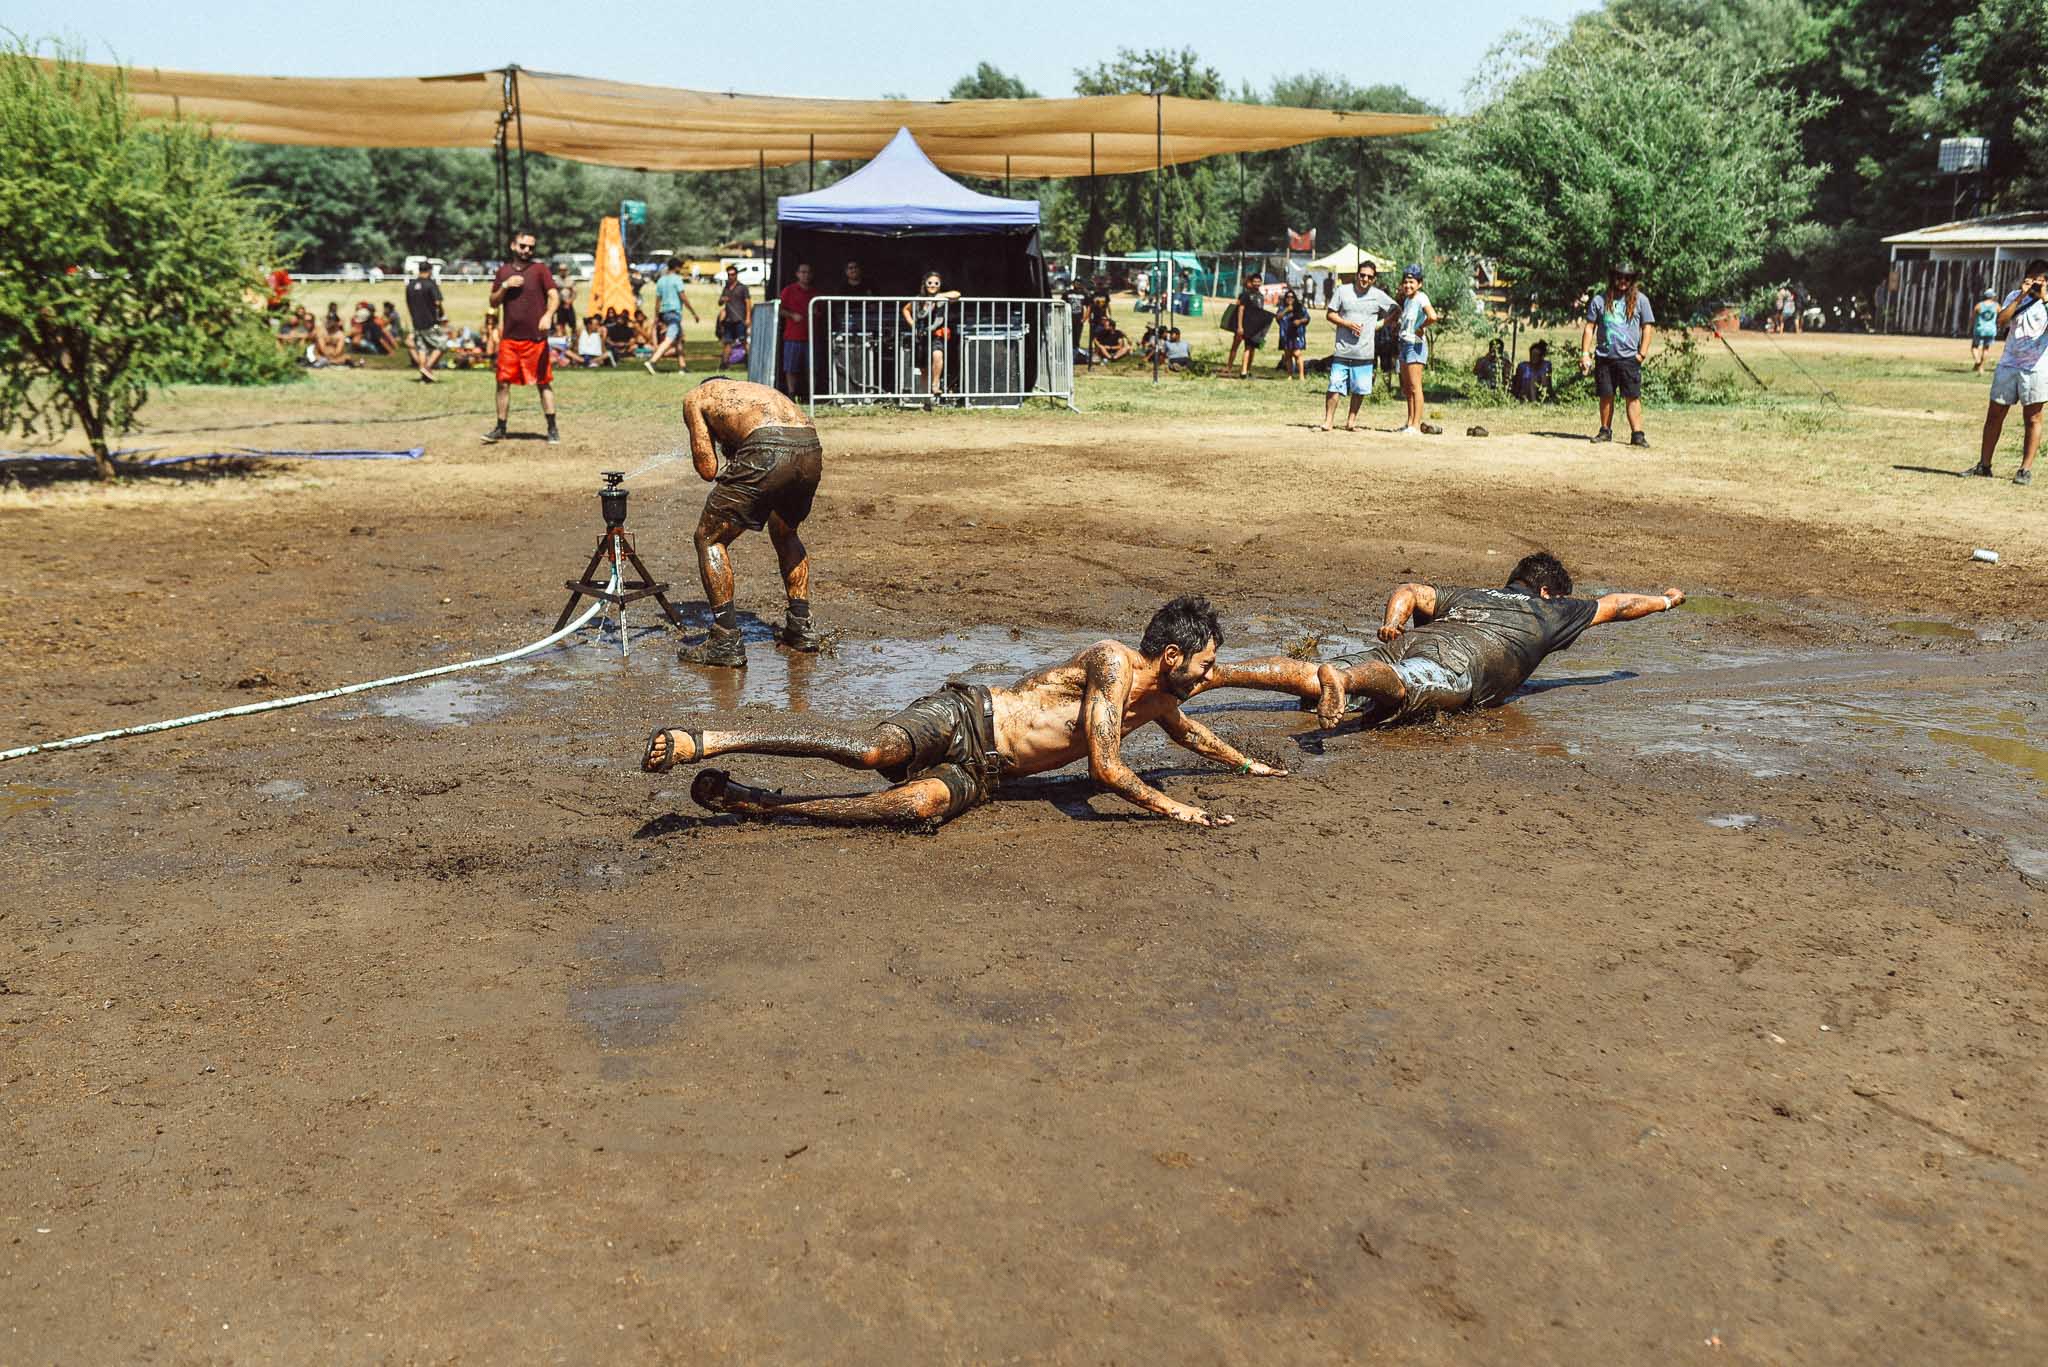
2022 374
1620 325
1983 330
1417 316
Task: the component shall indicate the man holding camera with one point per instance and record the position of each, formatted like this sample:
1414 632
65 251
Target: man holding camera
2022 374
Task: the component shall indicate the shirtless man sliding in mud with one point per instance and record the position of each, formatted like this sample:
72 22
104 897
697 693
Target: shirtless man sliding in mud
769 477
1444 649
947 751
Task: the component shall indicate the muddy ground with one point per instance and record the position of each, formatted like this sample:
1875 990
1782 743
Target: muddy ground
1688 1009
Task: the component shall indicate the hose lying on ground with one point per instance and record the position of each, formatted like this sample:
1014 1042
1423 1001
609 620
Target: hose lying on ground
274 704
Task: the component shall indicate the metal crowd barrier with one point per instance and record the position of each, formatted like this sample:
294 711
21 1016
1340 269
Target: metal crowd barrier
980 353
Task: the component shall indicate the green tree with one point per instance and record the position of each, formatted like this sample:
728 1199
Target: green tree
1603 140
130 258
329 211
1345 187
990 82
1994 84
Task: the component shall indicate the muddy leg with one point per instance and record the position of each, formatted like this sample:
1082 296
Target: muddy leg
874 749
1273 673
715 532
1374 680
792 557
921 799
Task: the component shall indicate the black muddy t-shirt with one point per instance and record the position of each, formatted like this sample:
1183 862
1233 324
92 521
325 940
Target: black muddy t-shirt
1496 637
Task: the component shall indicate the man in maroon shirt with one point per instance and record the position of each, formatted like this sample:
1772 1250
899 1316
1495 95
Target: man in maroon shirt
524 291
796 333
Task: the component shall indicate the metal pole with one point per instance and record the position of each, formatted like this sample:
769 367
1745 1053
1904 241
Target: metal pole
1006 173
1158 197
814 161
519 122
761 197
1358 197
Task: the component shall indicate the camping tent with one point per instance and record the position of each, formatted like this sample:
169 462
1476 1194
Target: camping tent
1345 260
900 216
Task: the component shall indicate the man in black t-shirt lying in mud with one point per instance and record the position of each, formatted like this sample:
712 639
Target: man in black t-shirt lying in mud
1445 649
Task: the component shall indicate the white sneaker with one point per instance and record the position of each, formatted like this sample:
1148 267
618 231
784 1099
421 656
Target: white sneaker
1407 431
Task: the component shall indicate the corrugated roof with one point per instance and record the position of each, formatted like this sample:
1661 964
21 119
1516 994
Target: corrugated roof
1993 230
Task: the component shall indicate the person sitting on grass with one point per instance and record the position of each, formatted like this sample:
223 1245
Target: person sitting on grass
1175 351
590 343
1533 382
948 751
393 328
618 335
330 348
1110 342
1445 649
643 333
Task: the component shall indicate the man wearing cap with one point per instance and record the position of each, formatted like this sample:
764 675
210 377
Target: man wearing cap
1418 315
1984 330
1620 325
1354 311
2022 374
423 305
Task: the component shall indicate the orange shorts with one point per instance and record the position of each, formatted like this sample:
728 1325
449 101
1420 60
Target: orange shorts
524 363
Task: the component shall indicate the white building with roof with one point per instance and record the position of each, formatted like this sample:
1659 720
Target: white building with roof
1938 274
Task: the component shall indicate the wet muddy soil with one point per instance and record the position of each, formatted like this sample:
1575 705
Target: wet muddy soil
1688 1008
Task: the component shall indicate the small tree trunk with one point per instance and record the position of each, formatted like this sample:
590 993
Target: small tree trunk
96 433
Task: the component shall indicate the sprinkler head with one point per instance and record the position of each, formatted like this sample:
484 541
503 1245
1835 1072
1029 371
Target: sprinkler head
612 498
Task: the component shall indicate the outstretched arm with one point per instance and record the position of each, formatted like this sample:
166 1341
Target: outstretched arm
1190 734
1626 607
1107 689
1409 602
703 453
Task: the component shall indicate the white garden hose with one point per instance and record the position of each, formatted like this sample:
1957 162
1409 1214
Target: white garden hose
274 704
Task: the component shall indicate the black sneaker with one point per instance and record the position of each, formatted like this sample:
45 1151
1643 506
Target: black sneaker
554 437
1983 471
1638 439
801 633
1604 434
722 648
496 434
2023 477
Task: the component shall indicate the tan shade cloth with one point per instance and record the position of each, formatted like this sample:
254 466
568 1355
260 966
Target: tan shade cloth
611 284
659 129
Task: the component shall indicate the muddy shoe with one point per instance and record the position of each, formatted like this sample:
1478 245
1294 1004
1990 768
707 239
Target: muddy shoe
707 790
1430 429
1604 434
721 648
1638 439
801 633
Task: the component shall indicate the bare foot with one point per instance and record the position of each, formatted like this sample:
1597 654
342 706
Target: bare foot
1330 706
1324 428
665 750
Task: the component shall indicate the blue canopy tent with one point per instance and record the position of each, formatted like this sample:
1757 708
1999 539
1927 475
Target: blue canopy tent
900 216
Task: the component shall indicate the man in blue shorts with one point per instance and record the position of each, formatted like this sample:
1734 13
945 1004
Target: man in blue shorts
669 304
1355 311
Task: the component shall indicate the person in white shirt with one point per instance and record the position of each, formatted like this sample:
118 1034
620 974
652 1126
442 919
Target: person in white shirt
1355 311
2022 374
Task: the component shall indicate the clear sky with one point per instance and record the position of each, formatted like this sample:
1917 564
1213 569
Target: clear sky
843 48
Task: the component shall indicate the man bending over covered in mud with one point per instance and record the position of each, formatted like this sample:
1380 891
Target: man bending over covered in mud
1444 649
947 751
768 477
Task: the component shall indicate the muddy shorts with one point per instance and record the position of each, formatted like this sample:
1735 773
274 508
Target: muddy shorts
772 470
952 739
1430 686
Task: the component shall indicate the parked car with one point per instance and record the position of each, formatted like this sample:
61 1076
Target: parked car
353 270
412 265
573 265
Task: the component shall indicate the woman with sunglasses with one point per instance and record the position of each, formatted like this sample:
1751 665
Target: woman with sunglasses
925 316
